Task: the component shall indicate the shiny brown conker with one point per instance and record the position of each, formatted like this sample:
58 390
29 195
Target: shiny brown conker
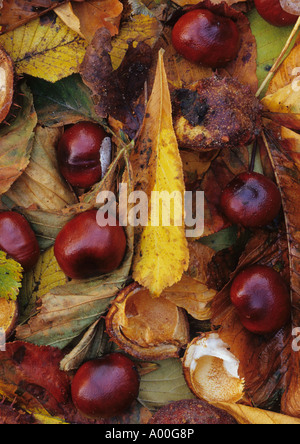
18 239
262 299
251 200
84 249
78 154
273 13
105 387
201 36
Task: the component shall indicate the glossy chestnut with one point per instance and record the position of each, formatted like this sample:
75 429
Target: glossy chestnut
201 36
84 249
105 387
273 13
79 154
251 200
18 239
262 299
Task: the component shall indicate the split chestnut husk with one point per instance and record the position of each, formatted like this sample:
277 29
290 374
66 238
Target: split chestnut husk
6 84
211 370
147 328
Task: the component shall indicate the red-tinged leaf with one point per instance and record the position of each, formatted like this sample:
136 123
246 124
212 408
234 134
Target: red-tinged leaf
30 375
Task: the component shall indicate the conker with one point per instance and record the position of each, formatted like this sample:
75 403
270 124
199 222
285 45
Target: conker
105 387
18 240
201 36
251 200
262 299
79 154
273 13
84 249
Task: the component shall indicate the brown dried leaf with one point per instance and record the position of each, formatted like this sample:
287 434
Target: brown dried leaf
116 91
283 148
88 16
15 13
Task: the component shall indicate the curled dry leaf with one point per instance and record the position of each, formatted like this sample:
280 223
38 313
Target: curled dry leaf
17 142
88 16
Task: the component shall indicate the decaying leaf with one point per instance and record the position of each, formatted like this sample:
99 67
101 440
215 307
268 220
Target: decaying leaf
45 48
115 91
31 375
157 167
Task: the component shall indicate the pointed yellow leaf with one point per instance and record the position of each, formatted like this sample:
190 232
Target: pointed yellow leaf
250 415
163 253
45 48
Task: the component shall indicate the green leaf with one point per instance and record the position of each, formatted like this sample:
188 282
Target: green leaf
270 41
10 277
164 385
62 103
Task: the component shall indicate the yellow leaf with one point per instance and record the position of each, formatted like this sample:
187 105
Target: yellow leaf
45 48
250 415
163 253
285 100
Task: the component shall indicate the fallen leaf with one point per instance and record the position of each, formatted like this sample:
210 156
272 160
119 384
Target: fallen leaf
116 91
283 148
157 167
11 274
15 13
38 282
41 184
31 376
64 102
250 415
91 15
45 48
17 142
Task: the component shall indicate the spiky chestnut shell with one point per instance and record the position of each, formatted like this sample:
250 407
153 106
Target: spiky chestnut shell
216 113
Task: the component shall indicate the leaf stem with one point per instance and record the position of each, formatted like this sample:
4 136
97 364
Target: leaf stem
280 58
